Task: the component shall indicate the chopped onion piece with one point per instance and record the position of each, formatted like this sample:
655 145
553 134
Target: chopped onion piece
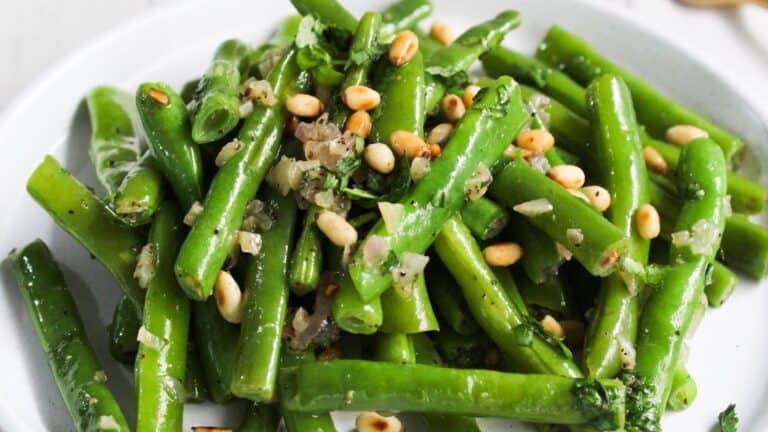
630 282
563 251
300 321
727 205
148 339
324 199
260 91
108 423
540 103
250 243
478 184
681 238
145 265
420 167
405 274
392 214
246 108
704 235
534 208
229 150
627 353
194 211
279 176
375 251
575 236
100 376
540 163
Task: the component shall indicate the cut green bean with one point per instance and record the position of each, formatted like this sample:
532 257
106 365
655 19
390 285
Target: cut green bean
393 348
307 258
541 259
330 12
140 193
402 104
296 421
448 299
403 15
195 385
548 294
123 331
684 390
216 342
260 418
408 311
351 313
484 218
721 285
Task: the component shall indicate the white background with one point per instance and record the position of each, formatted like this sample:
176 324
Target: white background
35 34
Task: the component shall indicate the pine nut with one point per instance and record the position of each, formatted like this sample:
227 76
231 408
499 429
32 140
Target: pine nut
439 134
598 196
370 421
535 140
360 97
158 96
407 143
453 108
648 221
469 94
210 429
568 176
304 105
681 135
551 326
434 150
404 46
359 123
336 228
653 160
379 157
502 254
580 195
440 32
228 297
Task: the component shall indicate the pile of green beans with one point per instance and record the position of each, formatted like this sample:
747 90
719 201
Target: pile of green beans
342 218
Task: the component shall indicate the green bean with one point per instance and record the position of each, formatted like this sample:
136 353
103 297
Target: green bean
460 351
566 51
140 193
427 44
721 285
408 311
478 139
491 306
260 418
541 259
745 246
548 294
668 312
216 342
81 214
434 90
162 359
507 282
393 348
75 368
123 331
366 385
351 313
216 110
188 91
451 306
296 421
265 303
484 218
402 103
602 242
196 388
307 258
621 169
684 390
166 125
456 58
330 12
403 15
210 240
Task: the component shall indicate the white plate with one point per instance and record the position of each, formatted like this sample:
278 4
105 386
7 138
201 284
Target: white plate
173 44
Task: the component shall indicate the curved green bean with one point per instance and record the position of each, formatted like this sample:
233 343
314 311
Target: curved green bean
402 104
330 12
403 15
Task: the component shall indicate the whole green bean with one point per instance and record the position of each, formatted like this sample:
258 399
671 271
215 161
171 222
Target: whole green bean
260 418
366 385
296 421
446 295
123 331
393 348
162 359
403 15
330 12
621 169
721 285
602 243
668 312
216 342
75 368
491 306
140 193
235 184
408 311
307 258
402 101
684 390
81 214
478 139
216 110
167 128
265 304
566 51
454 59
485 218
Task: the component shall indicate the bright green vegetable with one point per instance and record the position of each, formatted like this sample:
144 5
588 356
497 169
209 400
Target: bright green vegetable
162 359
402 105
260 418
216 342
307 258
408 310
298 421
195 385
351 313
140 193
721 285
684 390
541 259
448 300
484 218
75 368
122 332
393 348
728 420
216 110
403 15
478 139
330 12
209 242
81 214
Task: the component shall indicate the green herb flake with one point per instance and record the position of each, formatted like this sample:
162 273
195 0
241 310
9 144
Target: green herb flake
728 420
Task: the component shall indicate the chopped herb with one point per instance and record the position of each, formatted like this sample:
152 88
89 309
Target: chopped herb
728 420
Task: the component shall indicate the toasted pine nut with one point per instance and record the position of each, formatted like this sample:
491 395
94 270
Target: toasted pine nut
336 228
551 326
683 134
407 143
210 429
648 221
653 160
598 196
330 289
229 298
304 105
434 150
502 254
574 332
360 97
379 157
568 176
359 123
439 134
158 96
535 140
370 421
469 94
403 47
580 195
453 108
440 32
